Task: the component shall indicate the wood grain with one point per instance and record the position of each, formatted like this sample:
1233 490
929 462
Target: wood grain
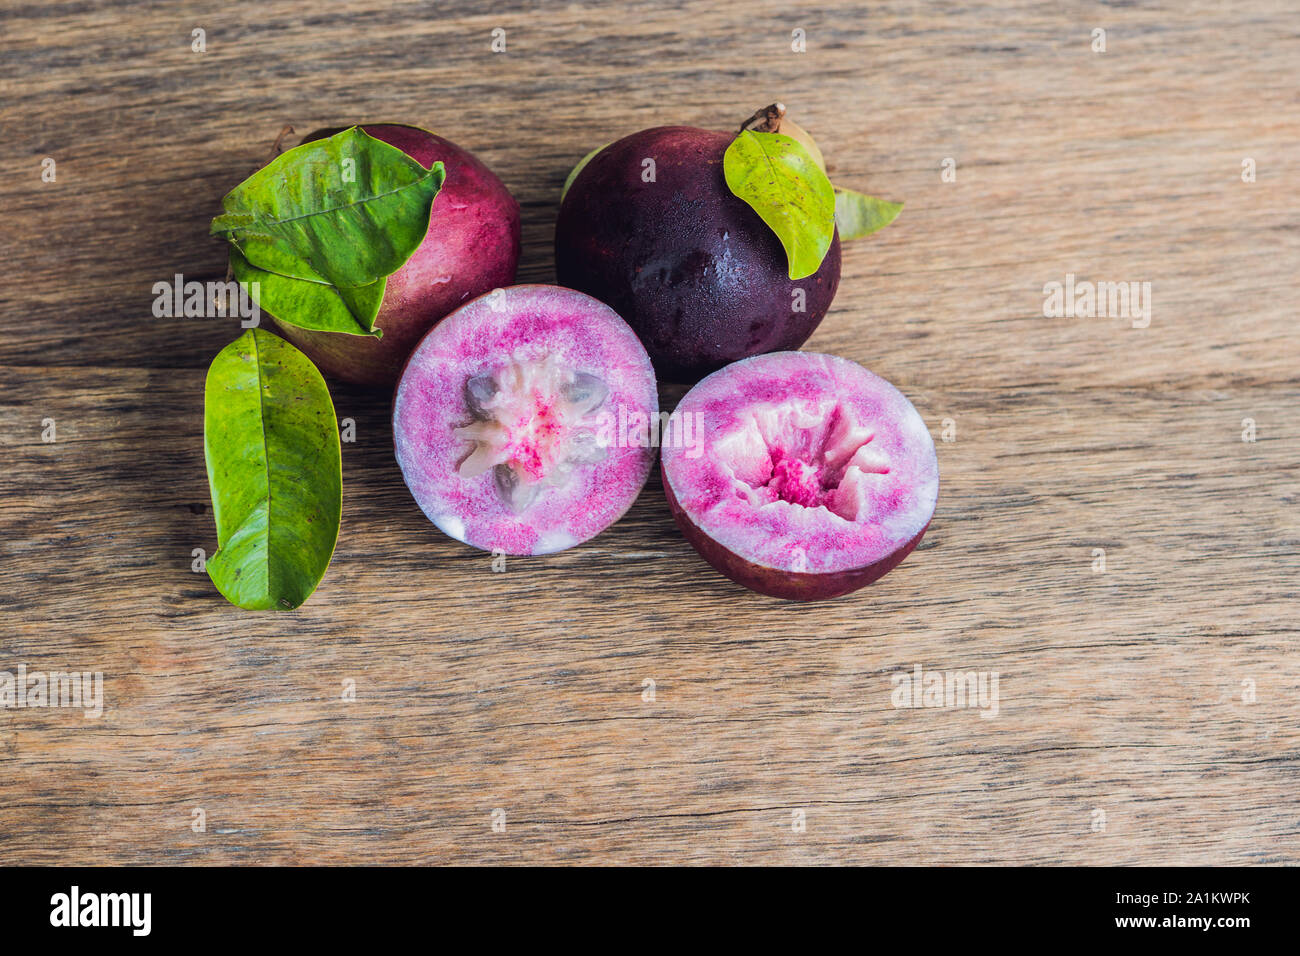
1121 691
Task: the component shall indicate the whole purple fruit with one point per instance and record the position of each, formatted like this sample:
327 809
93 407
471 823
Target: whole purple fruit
472 247
692 268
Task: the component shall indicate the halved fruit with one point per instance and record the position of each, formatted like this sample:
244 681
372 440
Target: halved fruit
815 476
509 420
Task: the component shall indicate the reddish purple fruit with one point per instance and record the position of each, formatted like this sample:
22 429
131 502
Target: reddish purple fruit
472 247
814 478
691 267
520 420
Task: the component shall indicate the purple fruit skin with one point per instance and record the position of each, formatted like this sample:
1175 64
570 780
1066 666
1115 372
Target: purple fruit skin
775 582
472 247
693 269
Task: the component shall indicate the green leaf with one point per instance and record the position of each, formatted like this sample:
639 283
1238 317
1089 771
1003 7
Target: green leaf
804 139
859 215
313 304
275 470
342 213
788 190
573 173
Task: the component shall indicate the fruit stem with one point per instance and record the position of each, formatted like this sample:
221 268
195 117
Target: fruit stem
766 120
278 146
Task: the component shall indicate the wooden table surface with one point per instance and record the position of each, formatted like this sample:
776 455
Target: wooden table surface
1148 712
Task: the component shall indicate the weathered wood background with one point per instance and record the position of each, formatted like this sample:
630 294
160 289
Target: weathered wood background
1127 729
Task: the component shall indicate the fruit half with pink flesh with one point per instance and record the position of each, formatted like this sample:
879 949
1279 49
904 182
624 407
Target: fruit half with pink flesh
521 421
812 476
471 248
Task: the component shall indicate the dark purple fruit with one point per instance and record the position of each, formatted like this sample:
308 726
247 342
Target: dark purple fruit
693 269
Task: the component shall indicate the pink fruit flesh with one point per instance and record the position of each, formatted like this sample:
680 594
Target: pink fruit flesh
510 421
814 476
472 247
